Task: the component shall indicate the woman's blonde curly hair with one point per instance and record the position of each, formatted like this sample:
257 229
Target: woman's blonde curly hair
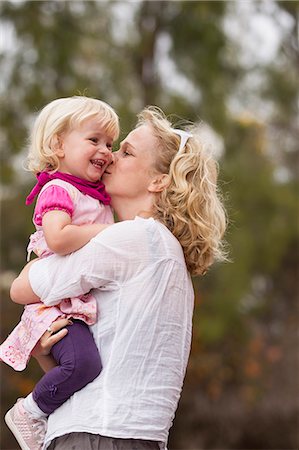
190 206
58 117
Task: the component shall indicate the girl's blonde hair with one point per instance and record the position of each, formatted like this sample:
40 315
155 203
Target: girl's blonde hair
190 206
59 116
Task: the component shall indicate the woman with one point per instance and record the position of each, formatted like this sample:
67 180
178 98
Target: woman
163 185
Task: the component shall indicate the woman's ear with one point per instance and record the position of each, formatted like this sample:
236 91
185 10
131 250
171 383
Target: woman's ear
159 183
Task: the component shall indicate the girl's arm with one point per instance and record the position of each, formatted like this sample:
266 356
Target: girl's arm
63 237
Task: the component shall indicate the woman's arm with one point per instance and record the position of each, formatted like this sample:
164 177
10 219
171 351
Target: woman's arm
46 362
103 263
56 277
63 237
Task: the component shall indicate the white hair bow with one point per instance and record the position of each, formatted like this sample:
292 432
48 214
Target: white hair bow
184 135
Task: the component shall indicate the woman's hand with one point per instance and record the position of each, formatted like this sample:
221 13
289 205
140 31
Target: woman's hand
51 337
43 347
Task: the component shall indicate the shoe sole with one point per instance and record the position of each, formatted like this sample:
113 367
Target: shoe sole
15 431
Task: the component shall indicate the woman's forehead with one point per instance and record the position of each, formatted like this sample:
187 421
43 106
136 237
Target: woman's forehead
142 138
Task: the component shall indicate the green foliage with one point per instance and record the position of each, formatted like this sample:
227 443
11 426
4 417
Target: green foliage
196 30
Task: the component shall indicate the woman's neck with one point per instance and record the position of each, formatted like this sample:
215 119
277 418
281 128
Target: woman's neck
128 210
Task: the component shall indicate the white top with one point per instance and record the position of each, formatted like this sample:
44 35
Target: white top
143 334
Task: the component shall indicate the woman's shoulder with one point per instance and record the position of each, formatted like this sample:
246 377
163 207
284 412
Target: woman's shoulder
143 241
136 225
144 232
127 232
139 226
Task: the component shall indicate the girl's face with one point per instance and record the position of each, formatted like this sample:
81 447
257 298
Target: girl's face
85 151
132 170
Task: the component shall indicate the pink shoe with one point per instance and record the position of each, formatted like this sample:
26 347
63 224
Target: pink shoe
28 431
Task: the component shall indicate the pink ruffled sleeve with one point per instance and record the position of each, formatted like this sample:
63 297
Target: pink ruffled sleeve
52 198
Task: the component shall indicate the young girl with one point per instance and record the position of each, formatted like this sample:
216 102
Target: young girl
70 149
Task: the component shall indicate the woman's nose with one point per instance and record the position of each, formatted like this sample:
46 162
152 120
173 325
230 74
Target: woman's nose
112 158
115 157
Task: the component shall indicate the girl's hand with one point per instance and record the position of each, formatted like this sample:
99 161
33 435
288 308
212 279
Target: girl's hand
48 339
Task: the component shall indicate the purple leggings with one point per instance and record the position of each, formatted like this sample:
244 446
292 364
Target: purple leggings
79 363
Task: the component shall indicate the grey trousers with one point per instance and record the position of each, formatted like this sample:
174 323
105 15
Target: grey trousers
87 441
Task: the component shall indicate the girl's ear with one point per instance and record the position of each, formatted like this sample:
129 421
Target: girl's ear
57 145
159 183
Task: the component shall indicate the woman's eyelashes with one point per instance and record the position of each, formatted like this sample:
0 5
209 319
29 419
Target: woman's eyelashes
124 152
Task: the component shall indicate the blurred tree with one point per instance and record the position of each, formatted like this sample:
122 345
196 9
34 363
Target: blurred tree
196 29
282 90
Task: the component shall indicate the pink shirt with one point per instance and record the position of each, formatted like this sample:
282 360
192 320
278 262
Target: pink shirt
61 195
83 209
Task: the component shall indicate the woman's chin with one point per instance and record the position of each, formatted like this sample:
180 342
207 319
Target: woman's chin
105 177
